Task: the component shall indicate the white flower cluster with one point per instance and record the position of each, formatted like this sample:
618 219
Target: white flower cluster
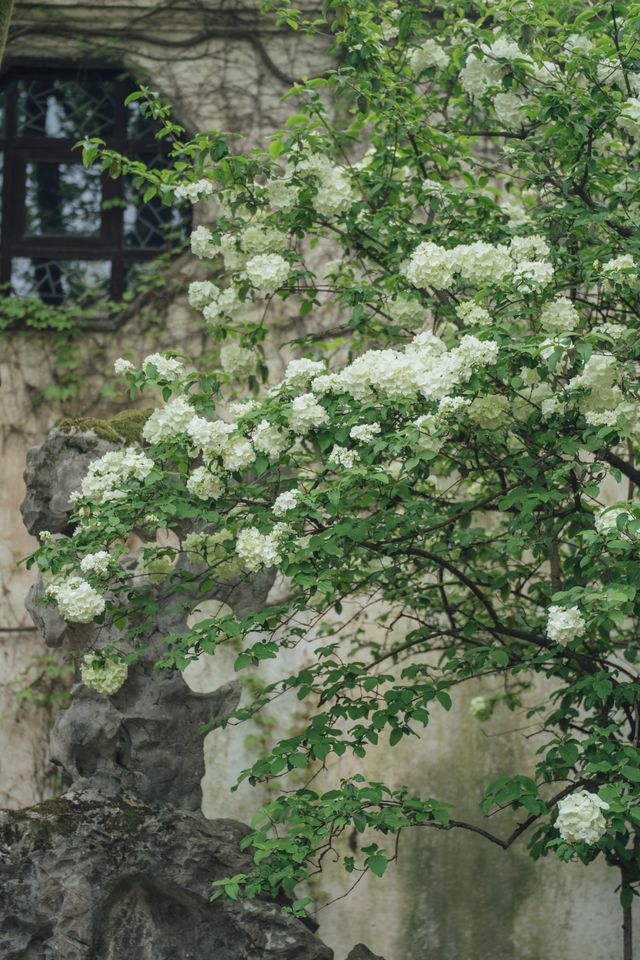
490 411
285 501
618 267
409 313
168 421
96 562
599 376
105 676
267 272
269 439
471 312
168 368
510 110
238 361
260 238
580 818
195 191
564 624
306 414
365 432
256 550
334 195
210 548
606 521
559 316
481 263
629 118
107 476
202 245
428 54
424 367
205 484
343 457
121 366
282 193
77 601
299 373
481 707
481 73
202 292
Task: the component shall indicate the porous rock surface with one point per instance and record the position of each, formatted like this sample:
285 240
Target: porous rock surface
120 867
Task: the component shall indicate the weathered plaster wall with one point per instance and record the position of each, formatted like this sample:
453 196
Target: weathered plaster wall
451 895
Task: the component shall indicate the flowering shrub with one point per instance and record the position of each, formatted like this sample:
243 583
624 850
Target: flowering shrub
442 448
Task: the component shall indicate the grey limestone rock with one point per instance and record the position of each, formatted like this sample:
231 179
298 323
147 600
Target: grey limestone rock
86 879
120 867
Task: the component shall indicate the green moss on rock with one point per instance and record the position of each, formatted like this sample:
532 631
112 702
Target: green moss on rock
125 426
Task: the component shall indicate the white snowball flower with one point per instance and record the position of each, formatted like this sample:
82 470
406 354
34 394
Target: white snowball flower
431 266
616 268
168 421
629 118
205 484
490 411
480 707
606 521
195 191
533 247
283 194
428 54
365 432
285 501
471 312
306 414
96 562
532 275
238 361
269 439
123 366
238 455
256 550
559 316
109 474
267 272
202 292
510 110
482 263
105 676
259 238
76 599
580 818
564 624
202 245
409 313
300 372
168 368
343 457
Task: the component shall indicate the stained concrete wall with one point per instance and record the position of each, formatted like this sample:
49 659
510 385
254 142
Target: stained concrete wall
451 895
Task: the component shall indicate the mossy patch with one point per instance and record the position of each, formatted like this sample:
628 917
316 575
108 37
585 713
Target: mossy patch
59 817
125 426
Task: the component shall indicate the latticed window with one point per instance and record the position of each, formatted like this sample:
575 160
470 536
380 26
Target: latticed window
70 234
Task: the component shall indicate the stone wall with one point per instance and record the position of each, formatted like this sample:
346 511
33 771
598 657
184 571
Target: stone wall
451 895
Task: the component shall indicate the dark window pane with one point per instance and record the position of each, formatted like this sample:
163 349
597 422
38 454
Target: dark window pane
2 113
62 199
140 127
61 281
65 108
147 226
